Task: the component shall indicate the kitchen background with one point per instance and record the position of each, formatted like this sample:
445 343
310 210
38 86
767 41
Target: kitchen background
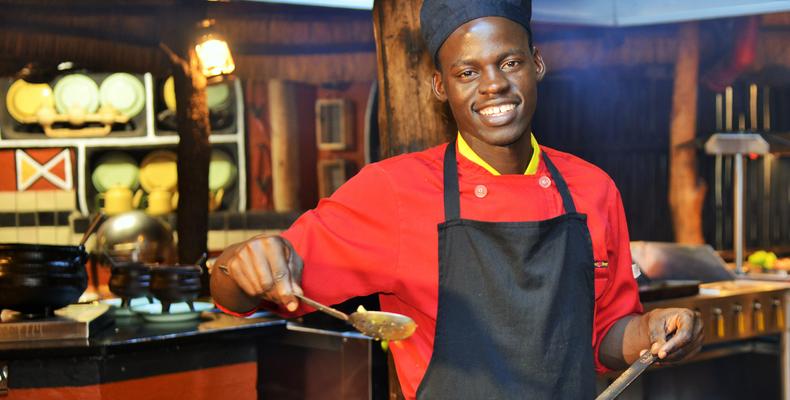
608 103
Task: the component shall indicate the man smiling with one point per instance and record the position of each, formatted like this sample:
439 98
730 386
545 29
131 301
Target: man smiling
512 258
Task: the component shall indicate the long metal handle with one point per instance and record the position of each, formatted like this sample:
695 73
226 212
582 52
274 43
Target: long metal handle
625 379
91 227
320 307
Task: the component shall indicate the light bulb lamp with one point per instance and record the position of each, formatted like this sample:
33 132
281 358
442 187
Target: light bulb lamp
213 52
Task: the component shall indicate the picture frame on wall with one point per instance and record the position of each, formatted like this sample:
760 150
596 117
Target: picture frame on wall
331 174
334 124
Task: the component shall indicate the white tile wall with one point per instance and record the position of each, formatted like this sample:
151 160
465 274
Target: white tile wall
9 235
26 201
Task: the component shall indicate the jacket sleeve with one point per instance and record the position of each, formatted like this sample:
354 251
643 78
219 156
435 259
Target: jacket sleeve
349 242
621 297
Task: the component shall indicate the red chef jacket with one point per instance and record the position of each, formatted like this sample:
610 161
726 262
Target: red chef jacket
378 234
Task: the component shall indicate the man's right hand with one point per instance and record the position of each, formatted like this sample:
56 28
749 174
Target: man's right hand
264 267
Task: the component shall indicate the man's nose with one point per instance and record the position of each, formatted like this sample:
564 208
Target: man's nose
493 81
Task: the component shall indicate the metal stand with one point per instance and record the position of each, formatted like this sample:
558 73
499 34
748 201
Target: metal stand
737 144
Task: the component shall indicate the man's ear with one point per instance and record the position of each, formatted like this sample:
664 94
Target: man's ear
540 65
438 86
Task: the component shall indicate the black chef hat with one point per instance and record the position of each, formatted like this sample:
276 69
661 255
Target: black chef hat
439 18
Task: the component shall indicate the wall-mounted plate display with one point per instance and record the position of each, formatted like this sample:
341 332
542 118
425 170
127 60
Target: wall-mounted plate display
24 99
115 169
220 99
124 92
77 105
76 91
159 172
217 95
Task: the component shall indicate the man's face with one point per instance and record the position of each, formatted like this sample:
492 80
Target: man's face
489 76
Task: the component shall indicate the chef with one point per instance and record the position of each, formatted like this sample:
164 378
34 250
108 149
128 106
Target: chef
512 258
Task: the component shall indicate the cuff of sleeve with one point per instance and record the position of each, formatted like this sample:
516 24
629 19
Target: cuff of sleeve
235 314
600 368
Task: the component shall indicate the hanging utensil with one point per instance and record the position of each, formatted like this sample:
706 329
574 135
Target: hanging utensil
377 324
202 259
628 376
91 227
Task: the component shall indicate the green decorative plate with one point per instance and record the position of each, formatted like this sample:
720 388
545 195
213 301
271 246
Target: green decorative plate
221 171
218 96
76 90
115 169
124 92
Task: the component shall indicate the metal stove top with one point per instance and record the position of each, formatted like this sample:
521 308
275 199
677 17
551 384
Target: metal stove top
76 321
736 309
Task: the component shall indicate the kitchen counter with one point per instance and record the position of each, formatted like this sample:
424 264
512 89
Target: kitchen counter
215 357
133 330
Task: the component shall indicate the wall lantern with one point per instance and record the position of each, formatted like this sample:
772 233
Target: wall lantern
213 52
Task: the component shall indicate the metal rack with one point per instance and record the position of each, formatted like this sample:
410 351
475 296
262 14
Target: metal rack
737 144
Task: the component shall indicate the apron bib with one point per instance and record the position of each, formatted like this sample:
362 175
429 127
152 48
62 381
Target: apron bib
516 302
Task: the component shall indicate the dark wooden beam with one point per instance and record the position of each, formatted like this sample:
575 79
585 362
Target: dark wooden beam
194 149
410 117
686 190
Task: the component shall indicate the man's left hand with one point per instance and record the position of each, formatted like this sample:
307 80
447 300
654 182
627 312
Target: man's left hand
675 333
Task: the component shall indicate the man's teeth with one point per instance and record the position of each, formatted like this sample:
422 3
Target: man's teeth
496 110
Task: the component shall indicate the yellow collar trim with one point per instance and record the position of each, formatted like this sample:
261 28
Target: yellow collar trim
470 154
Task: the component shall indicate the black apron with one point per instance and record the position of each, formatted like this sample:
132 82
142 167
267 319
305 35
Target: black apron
516 303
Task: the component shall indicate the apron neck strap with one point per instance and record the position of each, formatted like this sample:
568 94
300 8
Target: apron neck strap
562 187
452 197
452 202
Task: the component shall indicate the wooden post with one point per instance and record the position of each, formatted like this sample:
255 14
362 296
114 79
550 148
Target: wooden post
410 117
194 156
285 145
194 149
686 192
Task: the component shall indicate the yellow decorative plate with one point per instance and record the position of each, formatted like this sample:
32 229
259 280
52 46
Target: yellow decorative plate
24 99
159 171
169 93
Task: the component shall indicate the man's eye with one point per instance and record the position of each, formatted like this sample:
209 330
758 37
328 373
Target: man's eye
511 64
466 74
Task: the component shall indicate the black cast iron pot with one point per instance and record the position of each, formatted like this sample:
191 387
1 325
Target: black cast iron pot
129 280
175 284
37 279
